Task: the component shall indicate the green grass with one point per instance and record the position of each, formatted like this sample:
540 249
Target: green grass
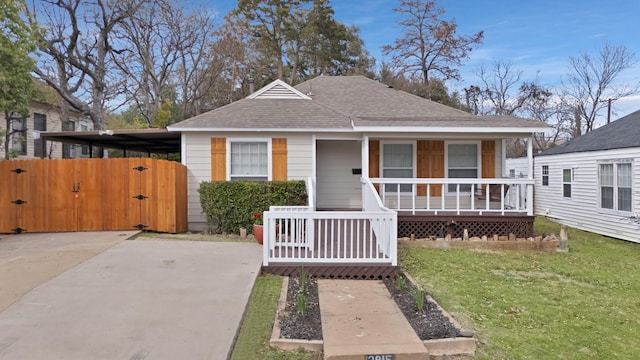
532 305
255 332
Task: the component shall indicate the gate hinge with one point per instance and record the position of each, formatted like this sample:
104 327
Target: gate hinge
19 171
19 202
140 197
140 168
140 226
18 230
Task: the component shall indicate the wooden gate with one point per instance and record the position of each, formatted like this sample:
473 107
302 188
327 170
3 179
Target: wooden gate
92 194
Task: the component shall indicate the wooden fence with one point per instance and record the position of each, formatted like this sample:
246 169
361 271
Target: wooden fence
92 194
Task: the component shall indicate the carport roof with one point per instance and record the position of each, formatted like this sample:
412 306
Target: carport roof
157 141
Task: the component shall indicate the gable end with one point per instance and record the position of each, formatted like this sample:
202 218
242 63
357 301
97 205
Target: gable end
278 90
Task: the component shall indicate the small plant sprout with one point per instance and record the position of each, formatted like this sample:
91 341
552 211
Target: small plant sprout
400 282
418 296
304 280
301 301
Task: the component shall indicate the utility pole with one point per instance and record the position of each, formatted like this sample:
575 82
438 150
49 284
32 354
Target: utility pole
609 110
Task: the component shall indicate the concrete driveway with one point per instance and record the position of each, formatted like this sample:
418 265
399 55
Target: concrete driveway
135 300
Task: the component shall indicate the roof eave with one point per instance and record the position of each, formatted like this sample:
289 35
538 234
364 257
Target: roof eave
446 129
286 130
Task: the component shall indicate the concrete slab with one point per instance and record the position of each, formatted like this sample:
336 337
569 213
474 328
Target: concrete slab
360 318
137 300
28 260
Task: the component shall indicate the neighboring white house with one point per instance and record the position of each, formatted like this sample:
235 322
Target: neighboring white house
516 168
593 182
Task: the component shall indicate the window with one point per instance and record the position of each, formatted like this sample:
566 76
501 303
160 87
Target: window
19 134
616 181
39 124
397 162
545 175
567 177
249 160
462 162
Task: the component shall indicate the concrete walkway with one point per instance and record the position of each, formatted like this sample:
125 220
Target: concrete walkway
360 318
137 300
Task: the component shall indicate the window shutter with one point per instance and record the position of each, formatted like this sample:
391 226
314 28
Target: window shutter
424 167
436 160
374 161
488 159
279 159
218 159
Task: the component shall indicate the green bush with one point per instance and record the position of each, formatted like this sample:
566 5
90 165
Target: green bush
230 205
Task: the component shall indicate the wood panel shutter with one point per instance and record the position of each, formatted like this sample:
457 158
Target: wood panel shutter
374 161
218 159
279 159
423 163
436 160
488 159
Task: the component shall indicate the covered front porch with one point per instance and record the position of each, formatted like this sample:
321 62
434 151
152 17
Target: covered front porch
421 189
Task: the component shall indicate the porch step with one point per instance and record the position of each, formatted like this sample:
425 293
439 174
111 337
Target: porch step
360 318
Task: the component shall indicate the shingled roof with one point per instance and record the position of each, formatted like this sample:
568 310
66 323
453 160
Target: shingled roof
622 133
353 103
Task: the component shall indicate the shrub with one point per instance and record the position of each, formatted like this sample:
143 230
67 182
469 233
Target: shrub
230 205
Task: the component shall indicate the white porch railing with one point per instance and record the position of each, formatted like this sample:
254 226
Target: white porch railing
491 195
299 234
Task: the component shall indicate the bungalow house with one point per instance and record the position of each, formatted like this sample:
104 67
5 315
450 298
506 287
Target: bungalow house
593 182
379 164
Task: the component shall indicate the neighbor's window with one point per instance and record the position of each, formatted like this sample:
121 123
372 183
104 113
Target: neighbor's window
616 181
39 124
397 162
249 161
545 175
19 134
462 162
567 177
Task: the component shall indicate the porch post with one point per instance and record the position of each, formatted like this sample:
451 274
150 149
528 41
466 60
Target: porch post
365 166
529 198
504 157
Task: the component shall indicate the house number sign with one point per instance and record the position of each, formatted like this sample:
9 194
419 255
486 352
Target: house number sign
379 357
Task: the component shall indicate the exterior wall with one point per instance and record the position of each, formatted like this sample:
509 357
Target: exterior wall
53 124
519 165
197 158
582 209
337 187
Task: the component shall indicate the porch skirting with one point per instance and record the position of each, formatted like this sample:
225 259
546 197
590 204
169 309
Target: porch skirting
334 271
425 226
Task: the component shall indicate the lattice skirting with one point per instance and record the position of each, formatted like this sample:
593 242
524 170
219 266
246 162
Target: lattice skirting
439 226
335 271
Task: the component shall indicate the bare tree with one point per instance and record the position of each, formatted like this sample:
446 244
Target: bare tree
429 44
169 48
77 48
591 83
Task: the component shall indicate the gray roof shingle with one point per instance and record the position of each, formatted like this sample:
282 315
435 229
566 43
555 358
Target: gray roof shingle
622 133
339 100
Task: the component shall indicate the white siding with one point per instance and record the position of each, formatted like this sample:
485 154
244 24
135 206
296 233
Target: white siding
337 187
582 209
198 162
521 170
519 165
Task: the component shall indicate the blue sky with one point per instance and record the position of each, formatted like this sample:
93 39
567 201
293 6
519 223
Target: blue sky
537 36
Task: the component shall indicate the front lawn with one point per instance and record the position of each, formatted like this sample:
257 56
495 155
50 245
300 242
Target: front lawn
527 305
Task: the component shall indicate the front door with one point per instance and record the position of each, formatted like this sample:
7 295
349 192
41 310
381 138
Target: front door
338 173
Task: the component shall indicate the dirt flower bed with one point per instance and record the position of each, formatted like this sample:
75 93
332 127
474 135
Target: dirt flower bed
429 323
